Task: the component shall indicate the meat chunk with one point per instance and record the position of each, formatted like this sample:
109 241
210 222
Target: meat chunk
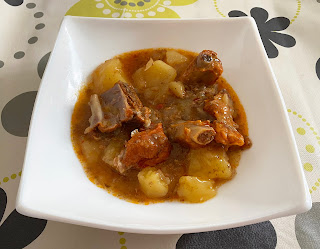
145 148
140 113
118 105
227 134
193 134
221 107
206 68
225 127
119 166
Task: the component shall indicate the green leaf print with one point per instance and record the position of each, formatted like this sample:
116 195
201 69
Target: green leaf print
182 2
127 8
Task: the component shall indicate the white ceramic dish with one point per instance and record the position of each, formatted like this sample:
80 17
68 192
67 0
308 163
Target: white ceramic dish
270 181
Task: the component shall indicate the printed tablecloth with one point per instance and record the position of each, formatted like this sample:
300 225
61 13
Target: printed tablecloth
290 31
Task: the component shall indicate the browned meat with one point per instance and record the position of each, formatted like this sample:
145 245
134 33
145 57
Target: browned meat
145 148
227 134
221 108
119 166
193 134
225 127
205 68
141 113
117 105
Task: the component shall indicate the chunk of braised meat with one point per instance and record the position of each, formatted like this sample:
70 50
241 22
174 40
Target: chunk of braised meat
227 135
141 114
118 105
206 68
192 134
145 148
221 108
120 167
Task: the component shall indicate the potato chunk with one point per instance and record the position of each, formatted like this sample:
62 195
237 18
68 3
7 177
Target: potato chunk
209 163
157 74
177 88
192 189
153 183
173 57
138 79
107 74
90 150
112 150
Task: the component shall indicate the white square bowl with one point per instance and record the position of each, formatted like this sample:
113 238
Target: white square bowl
270 181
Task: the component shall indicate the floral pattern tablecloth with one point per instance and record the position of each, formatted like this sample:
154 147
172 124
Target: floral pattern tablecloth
290 32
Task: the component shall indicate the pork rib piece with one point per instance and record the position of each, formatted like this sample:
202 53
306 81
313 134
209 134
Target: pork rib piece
193 134
146 148
224 124
118 105
206 68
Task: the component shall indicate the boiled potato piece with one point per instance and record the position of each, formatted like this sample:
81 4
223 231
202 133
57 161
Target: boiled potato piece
107 74
173 58
90 150
153 183
112 150
177 88
158 73
209 163
192 189
138 79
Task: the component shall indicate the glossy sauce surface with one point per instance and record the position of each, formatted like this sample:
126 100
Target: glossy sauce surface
163 110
